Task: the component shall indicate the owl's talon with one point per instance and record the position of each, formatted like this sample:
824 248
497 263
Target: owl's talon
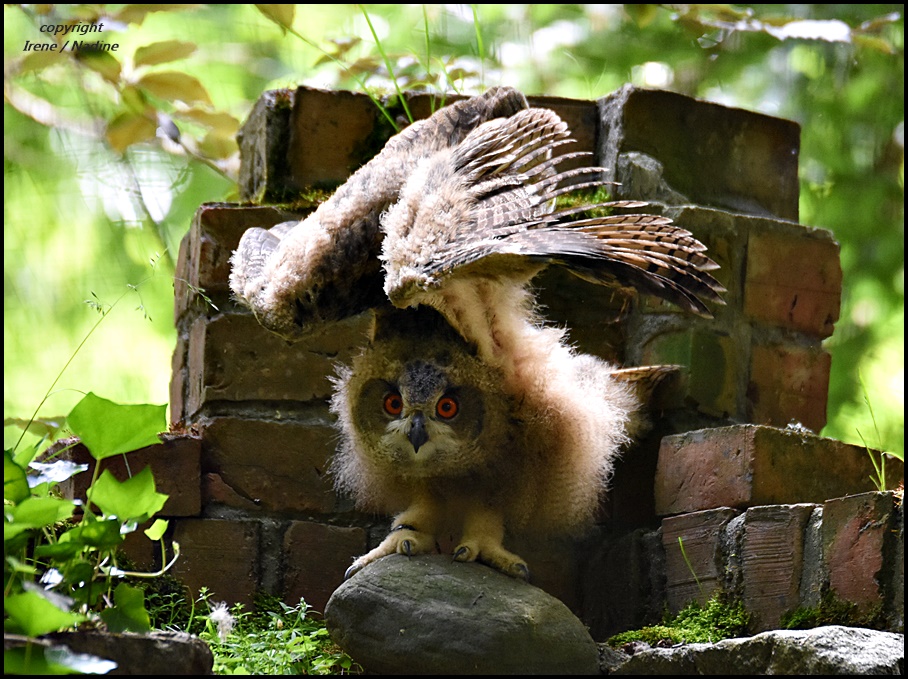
353 570
406 547
459 554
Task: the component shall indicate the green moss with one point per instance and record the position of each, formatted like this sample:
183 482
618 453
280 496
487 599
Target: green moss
587 197
834 611
718 619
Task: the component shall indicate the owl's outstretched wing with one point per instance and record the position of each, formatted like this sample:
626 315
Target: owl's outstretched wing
485 206
326 267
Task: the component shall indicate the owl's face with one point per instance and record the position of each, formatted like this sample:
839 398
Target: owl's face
418 404
419 421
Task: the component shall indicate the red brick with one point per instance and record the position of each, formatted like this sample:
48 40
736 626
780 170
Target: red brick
788 384
714 155
233 358
794 279
178 381
316 557
175 465
700 533
711 359
748 465
772 559
327 134
279 466
855 532
218 554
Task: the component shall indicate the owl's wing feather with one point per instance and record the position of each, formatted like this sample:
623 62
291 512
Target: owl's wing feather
326 266
508 169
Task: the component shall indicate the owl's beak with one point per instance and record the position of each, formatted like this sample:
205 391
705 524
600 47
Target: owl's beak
418 434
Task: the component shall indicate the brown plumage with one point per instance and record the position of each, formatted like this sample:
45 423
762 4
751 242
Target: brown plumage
300 275
467 413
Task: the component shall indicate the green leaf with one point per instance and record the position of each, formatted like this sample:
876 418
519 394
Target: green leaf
15 483
107 428
282 15
37 512
160 52
134 499
175 86
32 614
129 128
103 63
157 529
101 534
128 613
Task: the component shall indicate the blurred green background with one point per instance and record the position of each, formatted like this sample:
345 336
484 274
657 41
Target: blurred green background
97 195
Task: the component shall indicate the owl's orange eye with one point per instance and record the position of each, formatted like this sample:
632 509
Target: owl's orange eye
447 407
393 404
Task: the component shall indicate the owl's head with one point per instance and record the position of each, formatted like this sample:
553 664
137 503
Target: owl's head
417 403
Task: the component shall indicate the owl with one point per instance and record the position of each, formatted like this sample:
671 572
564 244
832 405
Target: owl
298 276
431 434
466 414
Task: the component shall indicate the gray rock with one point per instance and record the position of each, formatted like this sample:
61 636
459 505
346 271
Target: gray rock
155 653
820 651
429 615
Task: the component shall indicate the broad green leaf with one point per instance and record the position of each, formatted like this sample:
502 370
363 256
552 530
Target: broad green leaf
175 86
32 614
134 499
15 483
37 512
282 15
216 145
160 52
107 428
157 529
127 129
217 120
103 63
102 534
128 613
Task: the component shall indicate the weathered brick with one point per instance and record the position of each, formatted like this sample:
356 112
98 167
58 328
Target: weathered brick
204 259
794 279
221 555
747 465
788 383
233 358
855 533
178 377
175 465
695 573
772 559
714 155
329 131
582 118
263 140
711 358
316 556
279 466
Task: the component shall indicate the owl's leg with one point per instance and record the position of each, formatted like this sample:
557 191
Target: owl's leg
483 533
413 532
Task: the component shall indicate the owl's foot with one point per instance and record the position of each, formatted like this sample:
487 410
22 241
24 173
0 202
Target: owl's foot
403 539
493 555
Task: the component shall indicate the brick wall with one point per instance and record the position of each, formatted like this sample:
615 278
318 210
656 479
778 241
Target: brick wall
267 517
